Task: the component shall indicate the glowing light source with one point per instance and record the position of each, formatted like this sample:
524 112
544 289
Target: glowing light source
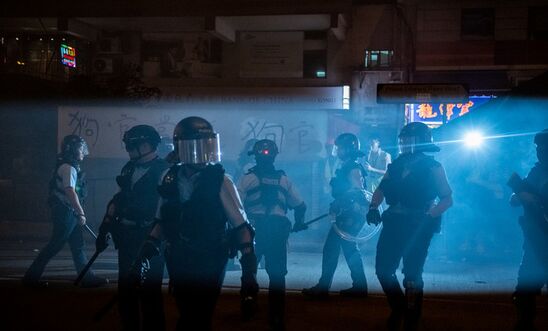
68 56
346 97
473 139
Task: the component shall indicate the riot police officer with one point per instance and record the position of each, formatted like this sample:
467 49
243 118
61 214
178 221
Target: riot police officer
67 190
267 194
130 219
411 185
532 194
197 203
349 209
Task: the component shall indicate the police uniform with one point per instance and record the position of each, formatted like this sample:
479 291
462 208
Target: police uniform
533 271
411 185
136 205
67 174
198 205
349 206
349 179
268 194
194 214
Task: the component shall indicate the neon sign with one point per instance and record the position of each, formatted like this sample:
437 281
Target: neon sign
68 56
436 114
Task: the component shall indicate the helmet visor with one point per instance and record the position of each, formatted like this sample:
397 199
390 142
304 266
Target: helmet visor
407 144
199 151
85 149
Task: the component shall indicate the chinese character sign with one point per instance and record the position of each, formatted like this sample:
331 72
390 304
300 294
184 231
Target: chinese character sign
68 56
435 115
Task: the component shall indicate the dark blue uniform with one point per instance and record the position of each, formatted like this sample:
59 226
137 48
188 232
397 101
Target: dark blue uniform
135 206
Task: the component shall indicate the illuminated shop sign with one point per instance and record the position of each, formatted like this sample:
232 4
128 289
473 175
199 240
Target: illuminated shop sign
68 56
436 114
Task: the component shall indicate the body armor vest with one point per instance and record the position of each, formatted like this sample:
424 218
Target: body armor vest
410 182
271 193
538 181
199 222
81 182
139 202
340 184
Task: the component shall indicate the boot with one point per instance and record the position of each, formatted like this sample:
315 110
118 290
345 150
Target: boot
34 283
414 309
354 292
276 309
94 281
317 292
397 306
526 310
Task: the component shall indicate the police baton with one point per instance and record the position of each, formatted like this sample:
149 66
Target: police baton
316 219
313 221
86 268
90 262
90 231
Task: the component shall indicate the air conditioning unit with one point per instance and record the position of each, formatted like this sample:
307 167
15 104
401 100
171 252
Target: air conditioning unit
103 66
109 45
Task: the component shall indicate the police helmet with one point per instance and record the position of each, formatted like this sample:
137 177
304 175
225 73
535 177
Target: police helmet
541 138
347 145
71 144
264 150
416 137
195 141
140 134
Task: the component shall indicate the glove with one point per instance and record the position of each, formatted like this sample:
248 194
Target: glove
373 216
101 243
150 249
138 273
299 226
140 268
250 288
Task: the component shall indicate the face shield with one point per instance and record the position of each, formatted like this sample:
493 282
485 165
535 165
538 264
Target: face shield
199 151
334 151
84 148
407 144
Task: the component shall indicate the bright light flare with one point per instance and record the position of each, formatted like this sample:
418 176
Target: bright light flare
473 139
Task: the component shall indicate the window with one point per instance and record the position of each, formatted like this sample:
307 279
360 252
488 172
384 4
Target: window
378 59
538 24
477 23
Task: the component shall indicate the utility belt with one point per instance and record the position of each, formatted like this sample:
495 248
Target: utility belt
401 209
179 248
419 218
198 245
267 218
